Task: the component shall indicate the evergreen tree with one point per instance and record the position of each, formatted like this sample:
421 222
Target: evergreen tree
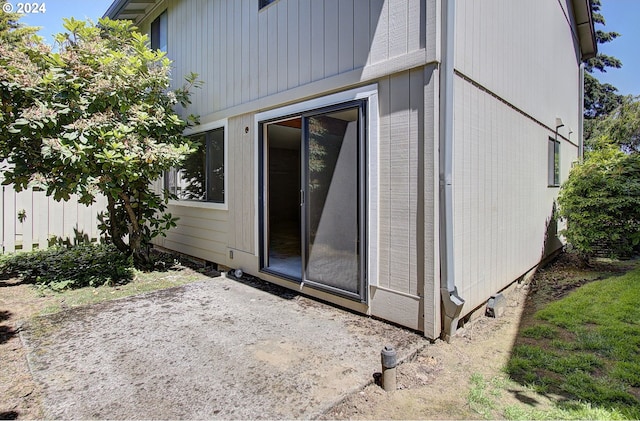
600 99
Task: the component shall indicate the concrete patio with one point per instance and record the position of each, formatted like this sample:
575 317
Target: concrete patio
219 348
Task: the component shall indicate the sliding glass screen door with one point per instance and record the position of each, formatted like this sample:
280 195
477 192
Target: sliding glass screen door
313 198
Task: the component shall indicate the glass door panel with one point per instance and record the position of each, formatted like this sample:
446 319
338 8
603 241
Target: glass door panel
283 215
332 255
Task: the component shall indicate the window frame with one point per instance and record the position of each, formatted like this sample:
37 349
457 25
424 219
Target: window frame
159 29
199 130
553 162
370 93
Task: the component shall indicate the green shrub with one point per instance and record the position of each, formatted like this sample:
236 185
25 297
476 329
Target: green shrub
601 202
77 266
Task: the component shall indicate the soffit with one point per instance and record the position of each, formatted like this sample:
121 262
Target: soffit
134 10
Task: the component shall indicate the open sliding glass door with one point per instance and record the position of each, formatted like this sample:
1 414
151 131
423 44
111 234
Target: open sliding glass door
329 251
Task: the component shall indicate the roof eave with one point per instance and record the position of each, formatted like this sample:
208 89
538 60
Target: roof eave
134 10
585 30
114 10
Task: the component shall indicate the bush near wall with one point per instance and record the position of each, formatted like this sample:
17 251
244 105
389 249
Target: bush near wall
77 266
601 202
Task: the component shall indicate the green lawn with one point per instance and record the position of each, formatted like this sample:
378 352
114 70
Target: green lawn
584 349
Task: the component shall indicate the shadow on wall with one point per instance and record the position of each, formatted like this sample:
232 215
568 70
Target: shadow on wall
552 242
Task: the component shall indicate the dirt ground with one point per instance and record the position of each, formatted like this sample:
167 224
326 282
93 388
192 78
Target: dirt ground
437 383
20 396
434 385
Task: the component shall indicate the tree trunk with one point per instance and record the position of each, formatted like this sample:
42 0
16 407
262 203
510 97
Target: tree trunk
140 251
114 229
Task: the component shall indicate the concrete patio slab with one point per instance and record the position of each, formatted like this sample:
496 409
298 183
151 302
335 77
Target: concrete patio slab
218 348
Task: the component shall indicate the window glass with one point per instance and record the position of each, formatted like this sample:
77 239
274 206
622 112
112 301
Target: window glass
159 35
215 164
201 175
264 3
554 163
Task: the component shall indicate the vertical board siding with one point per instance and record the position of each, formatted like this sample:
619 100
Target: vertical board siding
293 48
502 202
304 43
398 162
500 45
346 27
384 215
243 54
44 219
241 193
282 45
401 102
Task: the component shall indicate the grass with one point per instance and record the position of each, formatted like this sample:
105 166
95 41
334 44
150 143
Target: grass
479 399
576 411
585 348
142 282
486 397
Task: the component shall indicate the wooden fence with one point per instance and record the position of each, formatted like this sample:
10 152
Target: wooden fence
30 219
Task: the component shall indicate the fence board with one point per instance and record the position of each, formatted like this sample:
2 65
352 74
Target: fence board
44 218
41 219
9 219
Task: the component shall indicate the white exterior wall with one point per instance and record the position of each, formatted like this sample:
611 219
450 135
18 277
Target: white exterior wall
525 61
523 51
243 55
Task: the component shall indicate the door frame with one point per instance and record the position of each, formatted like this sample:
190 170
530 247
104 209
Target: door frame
369 183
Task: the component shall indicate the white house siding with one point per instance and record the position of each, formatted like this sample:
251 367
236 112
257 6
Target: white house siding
524 51
243 54
401 195
241 182
512 80
516 72
201 232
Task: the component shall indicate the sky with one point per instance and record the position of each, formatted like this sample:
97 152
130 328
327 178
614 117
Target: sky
51 19
620 16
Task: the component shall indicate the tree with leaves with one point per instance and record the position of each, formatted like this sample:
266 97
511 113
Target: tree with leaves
11 30
601 202
621 126
600 99
95 117
601 198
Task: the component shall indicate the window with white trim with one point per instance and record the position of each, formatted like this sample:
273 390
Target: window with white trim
201 176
